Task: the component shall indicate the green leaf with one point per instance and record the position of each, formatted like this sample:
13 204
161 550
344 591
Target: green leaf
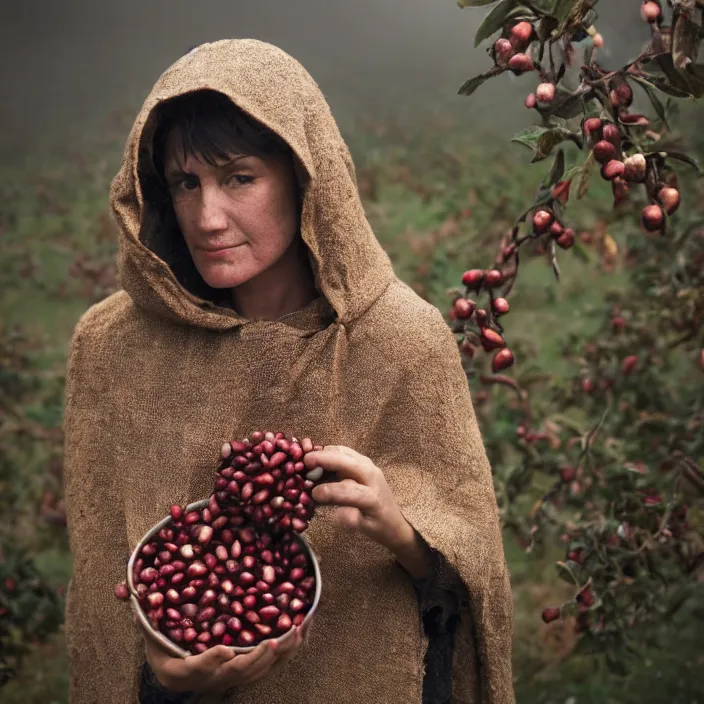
474 3
562 9
565 572
494 21
529 137
566 105
662 84
558 168
685 158
657 105
550 139
583 182
470 85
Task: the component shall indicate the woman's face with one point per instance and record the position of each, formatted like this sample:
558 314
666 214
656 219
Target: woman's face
245 208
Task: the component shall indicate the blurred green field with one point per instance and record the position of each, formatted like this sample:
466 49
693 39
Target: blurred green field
439 200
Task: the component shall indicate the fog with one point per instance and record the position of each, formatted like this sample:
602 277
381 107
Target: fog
66 65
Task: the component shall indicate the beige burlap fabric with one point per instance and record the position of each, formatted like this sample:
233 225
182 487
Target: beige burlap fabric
158 378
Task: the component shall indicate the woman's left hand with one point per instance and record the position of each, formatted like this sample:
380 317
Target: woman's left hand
365 500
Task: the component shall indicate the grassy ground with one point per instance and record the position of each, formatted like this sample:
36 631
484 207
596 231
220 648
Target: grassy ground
438 204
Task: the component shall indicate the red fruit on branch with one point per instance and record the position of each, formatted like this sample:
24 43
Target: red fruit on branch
635 168
650 11
481 317
652 218
621 94
521 34
568 474
634 119
577 556
556 229
473 278
493 278
491 340
545 92
520 63
463 308
566 239
542 219
531 101
503 359
552 613
503 49
585 598
500 306
592 127
587 385
612 134
669 199
612 169
604 151
628 364
561 191
618 323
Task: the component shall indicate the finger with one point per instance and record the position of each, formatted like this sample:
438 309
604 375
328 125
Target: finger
361 469
346 493
281 660
263 653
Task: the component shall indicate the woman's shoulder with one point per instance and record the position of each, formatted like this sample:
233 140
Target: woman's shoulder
402 321
106 320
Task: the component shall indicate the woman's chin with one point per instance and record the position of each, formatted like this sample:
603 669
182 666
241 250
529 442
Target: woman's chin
221 277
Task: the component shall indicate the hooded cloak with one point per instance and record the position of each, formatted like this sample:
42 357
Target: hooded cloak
158 377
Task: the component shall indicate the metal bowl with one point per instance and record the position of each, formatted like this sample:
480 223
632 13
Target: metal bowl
169 645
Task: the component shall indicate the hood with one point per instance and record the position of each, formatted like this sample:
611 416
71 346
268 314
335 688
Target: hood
351 268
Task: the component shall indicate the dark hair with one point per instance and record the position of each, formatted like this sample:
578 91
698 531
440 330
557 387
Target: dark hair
211 126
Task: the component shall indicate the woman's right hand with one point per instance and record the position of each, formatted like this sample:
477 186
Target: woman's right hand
219 668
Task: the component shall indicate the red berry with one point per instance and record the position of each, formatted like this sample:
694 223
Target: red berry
629 364
552 613
566 239
542 219
604 151
481 316
493 278
521 34
612 169
567 474
519 63
586 597
592 127
669 198
500 306
652 218
618 323
611 134
491 340
531 100
503 359
503 49
650 11
587 385
473 278
463 308
545 92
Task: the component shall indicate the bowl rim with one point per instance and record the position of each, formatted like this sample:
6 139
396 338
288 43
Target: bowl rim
168 644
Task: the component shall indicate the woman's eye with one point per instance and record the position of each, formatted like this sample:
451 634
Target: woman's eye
187 183
238 180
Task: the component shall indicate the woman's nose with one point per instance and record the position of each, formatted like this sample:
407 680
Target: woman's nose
212 216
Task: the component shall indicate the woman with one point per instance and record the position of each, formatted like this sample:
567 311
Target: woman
255 296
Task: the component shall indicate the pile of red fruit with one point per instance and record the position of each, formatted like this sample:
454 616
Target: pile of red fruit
234 571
